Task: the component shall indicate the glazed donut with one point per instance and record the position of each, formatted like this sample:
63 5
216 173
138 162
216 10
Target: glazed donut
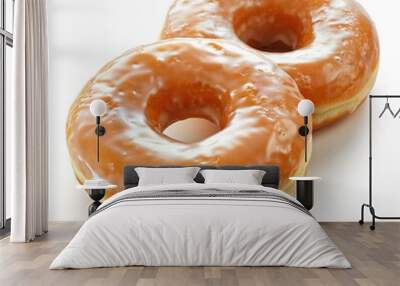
329 47
148 88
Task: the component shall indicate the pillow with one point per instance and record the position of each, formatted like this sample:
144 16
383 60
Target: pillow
248 177
163 176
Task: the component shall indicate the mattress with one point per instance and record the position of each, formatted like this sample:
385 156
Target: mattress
201 225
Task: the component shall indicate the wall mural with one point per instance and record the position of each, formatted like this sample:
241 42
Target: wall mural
243 65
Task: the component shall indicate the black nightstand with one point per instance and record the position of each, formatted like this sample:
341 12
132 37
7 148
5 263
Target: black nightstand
305 190
96 193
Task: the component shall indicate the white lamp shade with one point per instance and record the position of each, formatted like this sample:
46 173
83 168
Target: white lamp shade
98 107
305 107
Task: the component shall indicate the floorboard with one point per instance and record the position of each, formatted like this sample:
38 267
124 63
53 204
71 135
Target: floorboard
375 257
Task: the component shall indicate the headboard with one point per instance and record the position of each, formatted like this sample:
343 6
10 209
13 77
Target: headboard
271 177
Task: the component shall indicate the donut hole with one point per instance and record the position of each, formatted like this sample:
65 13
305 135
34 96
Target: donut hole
191 130
272 29
187 112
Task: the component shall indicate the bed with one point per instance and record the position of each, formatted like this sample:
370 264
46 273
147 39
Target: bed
198 224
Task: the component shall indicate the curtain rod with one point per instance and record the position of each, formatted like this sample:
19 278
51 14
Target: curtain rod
384 96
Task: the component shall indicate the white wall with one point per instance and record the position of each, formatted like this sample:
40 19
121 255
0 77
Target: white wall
84 34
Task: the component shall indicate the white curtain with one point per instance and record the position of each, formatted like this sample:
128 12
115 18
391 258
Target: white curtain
27 123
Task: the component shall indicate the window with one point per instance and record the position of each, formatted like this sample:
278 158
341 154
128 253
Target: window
6 44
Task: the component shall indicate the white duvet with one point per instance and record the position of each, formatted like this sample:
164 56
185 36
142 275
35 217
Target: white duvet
200 231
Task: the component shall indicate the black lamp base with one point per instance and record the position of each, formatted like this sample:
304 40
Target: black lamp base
100 130
303 130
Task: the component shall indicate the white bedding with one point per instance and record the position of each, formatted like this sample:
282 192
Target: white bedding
185 231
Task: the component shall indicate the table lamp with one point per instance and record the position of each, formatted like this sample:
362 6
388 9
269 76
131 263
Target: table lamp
305 108
98 108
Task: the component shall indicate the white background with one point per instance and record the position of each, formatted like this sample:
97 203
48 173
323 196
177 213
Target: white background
85 34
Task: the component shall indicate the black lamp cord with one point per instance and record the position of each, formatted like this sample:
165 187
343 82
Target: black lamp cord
305 137
98 137
100 131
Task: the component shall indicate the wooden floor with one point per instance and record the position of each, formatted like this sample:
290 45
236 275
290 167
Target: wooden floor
375 257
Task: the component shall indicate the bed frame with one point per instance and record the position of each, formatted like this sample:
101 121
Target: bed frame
271 177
